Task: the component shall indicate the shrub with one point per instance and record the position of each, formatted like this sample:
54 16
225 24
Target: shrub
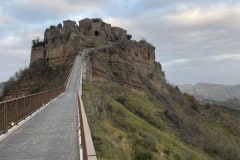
140 155
149 142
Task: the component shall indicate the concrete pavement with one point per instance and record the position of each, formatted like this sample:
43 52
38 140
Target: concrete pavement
52 133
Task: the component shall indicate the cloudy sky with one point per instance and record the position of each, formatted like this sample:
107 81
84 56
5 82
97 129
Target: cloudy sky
196 41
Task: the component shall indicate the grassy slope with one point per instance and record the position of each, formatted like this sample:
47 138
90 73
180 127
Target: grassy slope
132 126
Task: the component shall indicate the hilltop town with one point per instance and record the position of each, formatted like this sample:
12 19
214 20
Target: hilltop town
110 52
61 41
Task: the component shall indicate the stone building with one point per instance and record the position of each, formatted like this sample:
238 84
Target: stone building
113 55
60 42
100 30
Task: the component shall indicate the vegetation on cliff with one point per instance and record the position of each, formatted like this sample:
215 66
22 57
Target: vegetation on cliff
38 77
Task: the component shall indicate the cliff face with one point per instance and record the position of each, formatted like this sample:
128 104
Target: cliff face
126 62
113 56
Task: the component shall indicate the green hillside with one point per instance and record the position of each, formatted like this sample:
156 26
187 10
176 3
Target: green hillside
126 124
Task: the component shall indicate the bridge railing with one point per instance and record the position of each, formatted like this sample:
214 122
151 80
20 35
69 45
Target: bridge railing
86 142
15 110
87 146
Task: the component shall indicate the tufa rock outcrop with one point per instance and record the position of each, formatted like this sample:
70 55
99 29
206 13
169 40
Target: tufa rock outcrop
125 62
109 53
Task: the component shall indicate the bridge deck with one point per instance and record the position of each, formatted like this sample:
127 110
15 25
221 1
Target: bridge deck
52 133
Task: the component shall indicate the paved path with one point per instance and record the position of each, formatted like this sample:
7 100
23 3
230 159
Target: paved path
51 134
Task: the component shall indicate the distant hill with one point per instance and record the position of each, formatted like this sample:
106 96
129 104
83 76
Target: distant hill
216 92
227 95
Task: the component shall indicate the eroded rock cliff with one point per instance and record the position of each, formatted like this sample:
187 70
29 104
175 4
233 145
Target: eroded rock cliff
126 62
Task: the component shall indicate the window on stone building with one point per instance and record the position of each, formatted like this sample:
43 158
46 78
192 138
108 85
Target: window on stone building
96 33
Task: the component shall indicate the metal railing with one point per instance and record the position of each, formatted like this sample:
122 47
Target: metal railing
15 110
86 142
87 146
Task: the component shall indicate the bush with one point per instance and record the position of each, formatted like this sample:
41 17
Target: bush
140 155
149 142
34 90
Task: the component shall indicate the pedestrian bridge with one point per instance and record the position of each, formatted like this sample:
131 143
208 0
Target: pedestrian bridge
51 125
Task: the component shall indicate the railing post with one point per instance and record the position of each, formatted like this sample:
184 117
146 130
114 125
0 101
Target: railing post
17 117
5 126
30 104
24 106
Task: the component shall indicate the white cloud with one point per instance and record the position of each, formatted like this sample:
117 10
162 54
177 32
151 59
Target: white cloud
220 16
64 6
4 20
176 62
226 57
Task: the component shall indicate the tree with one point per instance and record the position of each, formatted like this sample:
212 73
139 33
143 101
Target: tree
37 43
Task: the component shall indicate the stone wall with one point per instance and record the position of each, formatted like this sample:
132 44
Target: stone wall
141 52
53 34
99 30
55 53
37 53
118 34
69 26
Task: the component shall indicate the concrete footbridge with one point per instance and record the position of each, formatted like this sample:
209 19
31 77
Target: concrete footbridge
50 125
